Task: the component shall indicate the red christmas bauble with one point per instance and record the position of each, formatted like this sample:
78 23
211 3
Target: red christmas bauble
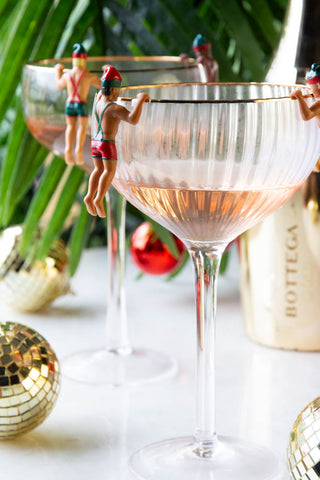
150 254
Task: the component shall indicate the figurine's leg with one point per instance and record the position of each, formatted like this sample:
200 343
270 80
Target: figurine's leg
70 138
93 185
81 137
104 184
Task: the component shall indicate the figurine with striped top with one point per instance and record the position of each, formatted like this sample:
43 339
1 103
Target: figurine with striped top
77 82
107 115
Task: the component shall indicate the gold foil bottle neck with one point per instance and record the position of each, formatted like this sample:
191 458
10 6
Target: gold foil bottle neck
311 195
313 208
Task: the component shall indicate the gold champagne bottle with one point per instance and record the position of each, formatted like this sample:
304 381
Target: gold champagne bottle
280 257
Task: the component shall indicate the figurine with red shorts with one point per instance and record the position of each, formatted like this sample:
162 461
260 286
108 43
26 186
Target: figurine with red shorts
77 82
107 116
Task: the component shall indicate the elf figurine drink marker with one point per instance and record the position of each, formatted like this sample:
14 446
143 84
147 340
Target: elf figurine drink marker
77 82
307 113
106 119
203 54
313 79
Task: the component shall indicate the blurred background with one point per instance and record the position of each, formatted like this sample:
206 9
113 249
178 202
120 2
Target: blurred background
244 35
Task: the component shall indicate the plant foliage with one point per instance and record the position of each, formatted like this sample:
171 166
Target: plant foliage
243 34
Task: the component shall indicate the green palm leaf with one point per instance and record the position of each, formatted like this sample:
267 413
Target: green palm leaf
30 158
22 28
48 184
79 238
17 132
62 209
50 36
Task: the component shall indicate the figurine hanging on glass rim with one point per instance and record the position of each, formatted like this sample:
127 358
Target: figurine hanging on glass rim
77 82
307 113
107 115
203 53
313 80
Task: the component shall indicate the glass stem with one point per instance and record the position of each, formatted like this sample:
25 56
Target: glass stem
116 328
206 266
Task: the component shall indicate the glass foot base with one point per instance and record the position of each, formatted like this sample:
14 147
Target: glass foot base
118 367
234 460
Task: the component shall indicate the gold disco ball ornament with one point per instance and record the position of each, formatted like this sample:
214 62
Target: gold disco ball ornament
31 288
304 444
29 379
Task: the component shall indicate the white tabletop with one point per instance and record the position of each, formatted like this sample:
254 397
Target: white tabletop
93 430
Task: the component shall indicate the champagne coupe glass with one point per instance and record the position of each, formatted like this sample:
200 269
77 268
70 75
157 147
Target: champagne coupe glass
43 104
209 161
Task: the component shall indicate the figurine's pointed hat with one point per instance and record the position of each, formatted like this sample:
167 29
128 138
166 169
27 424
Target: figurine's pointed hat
313 76
79 51
200 43
111 78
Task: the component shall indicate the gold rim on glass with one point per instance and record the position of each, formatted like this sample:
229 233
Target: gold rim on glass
181 64
219 100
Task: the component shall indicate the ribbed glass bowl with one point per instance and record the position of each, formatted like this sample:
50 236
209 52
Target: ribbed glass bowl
242 148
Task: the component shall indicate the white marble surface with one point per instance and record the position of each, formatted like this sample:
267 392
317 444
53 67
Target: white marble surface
93 430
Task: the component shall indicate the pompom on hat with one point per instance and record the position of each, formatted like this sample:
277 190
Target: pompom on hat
313 76
111 78
79 51
200 43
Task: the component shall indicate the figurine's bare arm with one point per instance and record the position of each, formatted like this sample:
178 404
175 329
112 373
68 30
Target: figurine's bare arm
132 117
94 81
306 112
61 80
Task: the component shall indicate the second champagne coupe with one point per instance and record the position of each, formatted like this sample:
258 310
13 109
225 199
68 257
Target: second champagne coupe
208 162
117 363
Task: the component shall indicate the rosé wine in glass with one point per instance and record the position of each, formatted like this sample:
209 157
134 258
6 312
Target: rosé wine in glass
206 215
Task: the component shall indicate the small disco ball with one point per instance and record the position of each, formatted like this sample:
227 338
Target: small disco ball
29 288
304 444
29 379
